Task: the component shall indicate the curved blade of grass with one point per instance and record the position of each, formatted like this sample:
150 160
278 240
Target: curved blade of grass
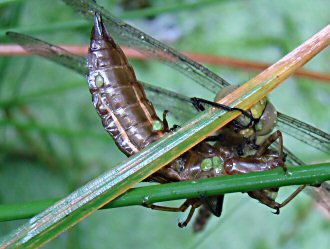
168 8
308 174
141 13
304 132
86 200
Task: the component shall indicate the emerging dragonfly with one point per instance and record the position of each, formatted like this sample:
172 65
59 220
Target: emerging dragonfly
130 36
131 120
146 43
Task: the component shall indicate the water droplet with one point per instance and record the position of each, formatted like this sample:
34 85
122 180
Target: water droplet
218 171
146 199
289 173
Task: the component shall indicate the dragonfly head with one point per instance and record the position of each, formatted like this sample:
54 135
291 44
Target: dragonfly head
267 119
263 113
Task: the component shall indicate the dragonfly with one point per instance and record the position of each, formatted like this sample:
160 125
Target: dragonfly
124 32
202 161
130 118
262 195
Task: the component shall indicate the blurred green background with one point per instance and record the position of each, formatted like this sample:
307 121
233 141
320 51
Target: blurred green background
52 141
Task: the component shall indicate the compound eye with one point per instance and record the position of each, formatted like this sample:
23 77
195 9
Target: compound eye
224 91
258 109
267 121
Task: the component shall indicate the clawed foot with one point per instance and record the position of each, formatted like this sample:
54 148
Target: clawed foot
277 212
182 224
175 126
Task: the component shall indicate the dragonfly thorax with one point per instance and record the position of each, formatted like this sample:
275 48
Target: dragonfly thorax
246 138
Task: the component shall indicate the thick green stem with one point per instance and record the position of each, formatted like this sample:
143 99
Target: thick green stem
309 174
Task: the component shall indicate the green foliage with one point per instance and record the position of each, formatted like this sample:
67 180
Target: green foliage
54 142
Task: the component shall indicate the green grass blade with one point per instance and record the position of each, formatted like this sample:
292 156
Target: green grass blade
308 174
167 8
142 13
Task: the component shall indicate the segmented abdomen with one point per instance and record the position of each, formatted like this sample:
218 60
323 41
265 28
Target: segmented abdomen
117 96
201 219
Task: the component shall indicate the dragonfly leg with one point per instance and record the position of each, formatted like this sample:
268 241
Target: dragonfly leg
194 205
174 127
269 141
184 206
187 220
264 198
291 197
198 104
165 123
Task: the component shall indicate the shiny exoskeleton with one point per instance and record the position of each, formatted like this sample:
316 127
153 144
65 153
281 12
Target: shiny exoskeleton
241 147
206 160
246 143
131 120
126 113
